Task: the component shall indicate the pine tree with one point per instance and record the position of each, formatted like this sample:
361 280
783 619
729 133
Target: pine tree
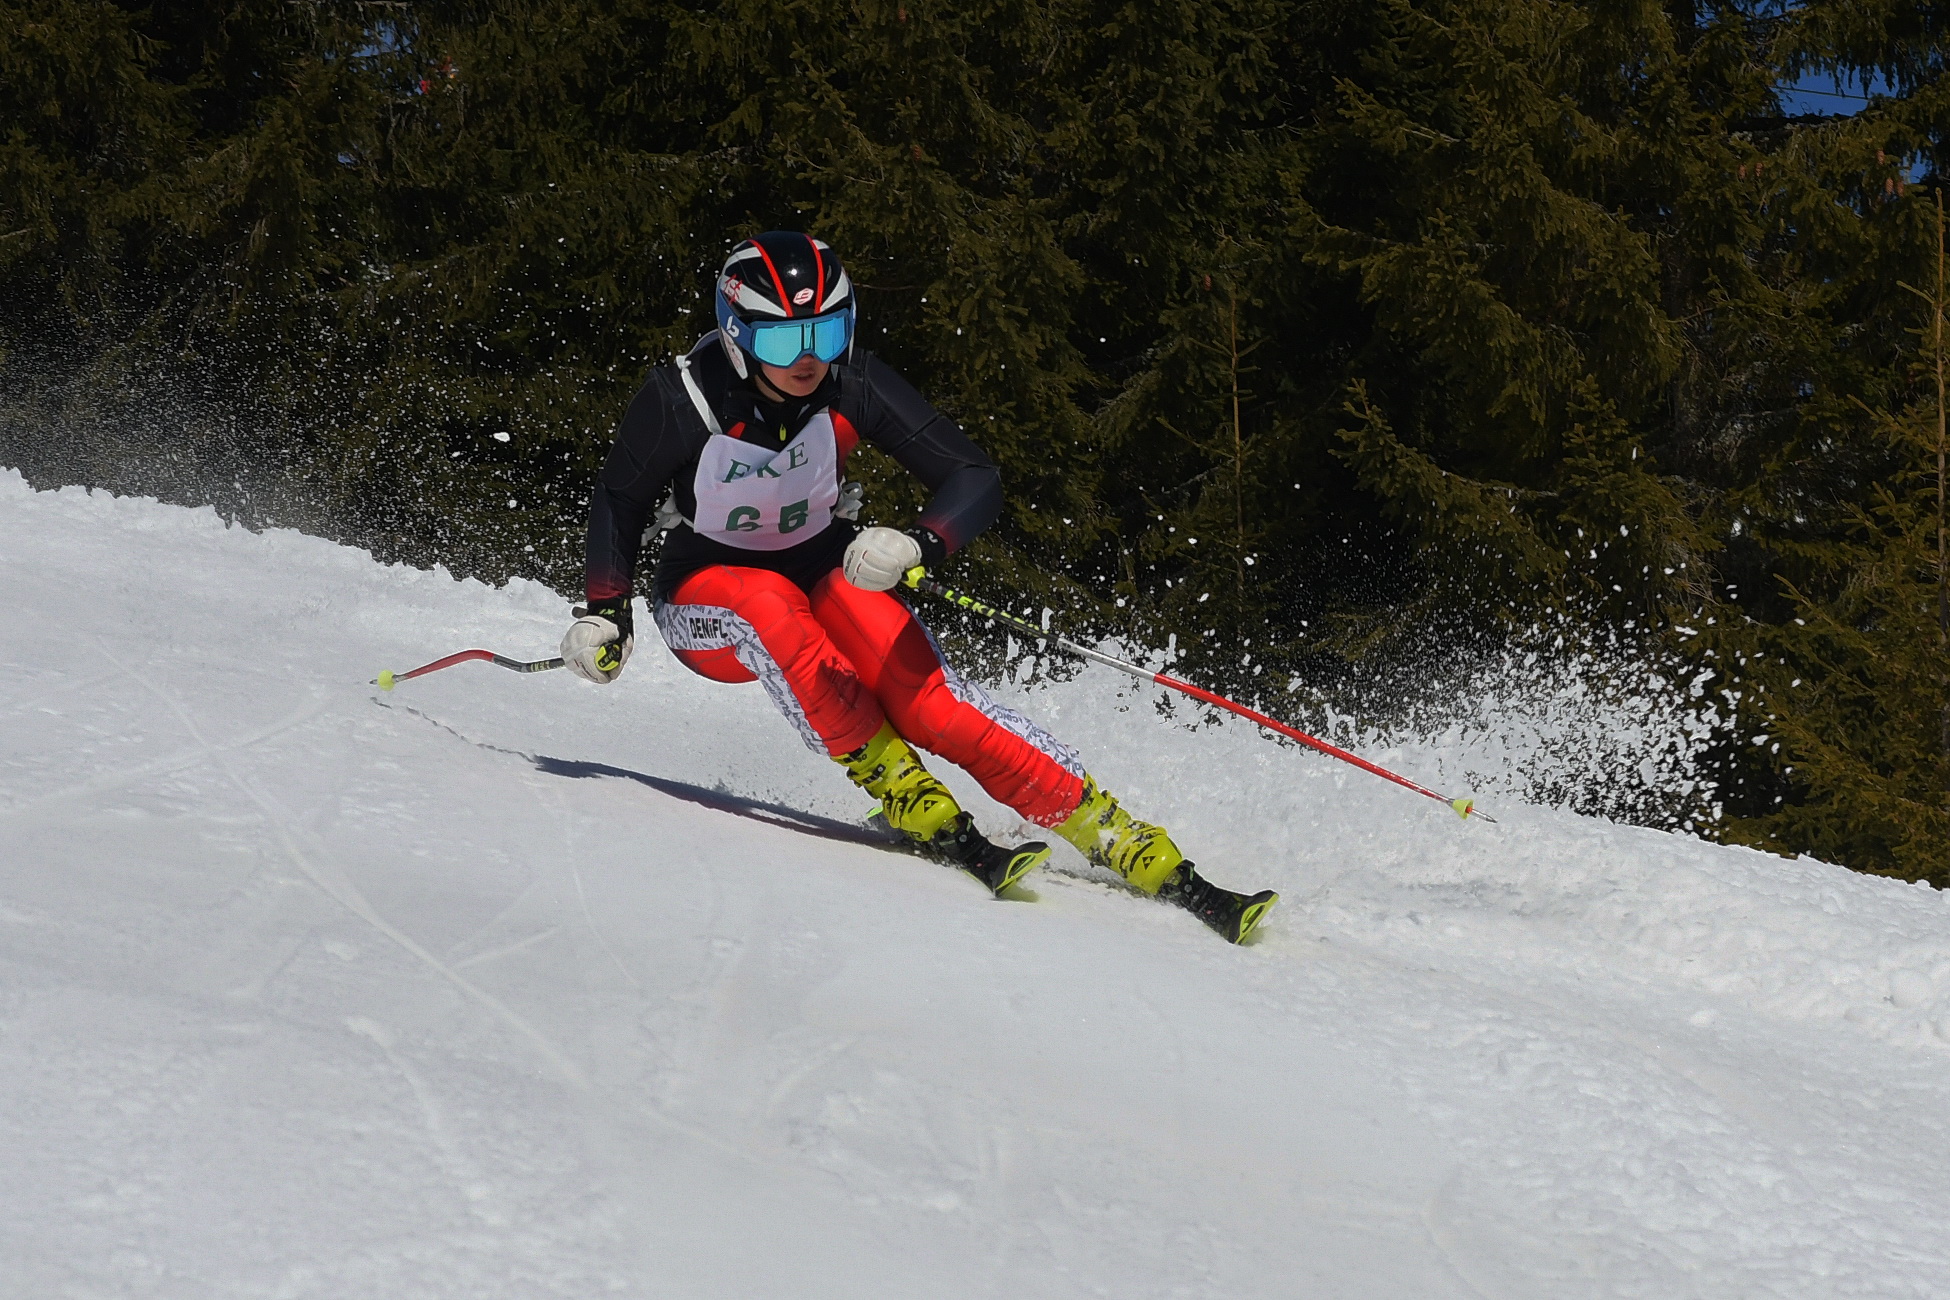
1852 695
1827 641
1448 239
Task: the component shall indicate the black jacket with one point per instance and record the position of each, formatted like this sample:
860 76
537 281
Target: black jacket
662 434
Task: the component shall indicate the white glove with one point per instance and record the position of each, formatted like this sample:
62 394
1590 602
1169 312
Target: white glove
876 559
595 649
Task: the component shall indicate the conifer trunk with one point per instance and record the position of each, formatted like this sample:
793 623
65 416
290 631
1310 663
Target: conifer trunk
1942 569
1239 463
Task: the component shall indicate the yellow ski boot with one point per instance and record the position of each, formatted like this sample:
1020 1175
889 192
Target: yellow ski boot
912 801
917 806
1145 856
1110 837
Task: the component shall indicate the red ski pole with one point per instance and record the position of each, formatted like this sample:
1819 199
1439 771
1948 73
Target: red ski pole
918 579
386 681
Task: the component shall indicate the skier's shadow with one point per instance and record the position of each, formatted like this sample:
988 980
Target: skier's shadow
771 814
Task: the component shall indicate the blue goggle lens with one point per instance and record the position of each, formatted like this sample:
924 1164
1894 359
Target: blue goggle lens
782 342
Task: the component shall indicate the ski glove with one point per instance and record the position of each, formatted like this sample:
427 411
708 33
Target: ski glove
598 643
878 557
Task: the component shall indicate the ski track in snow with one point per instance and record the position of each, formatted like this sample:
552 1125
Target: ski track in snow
510 986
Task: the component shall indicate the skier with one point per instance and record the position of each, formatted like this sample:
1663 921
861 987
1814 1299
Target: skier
764 575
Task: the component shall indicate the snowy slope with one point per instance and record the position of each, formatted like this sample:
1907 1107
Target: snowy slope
510 986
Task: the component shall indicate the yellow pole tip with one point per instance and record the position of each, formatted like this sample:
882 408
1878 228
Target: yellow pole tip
1463 807
386 681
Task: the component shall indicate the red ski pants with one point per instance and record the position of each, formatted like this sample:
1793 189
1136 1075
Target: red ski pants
841 661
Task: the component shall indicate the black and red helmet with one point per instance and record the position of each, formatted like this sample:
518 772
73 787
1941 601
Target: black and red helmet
783 295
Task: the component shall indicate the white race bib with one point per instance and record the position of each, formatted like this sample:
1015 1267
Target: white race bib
766 501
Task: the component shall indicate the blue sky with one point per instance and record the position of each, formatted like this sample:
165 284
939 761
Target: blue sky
1819 92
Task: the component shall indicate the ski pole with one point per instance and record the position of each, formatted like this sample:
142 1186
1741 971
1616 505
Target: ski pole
918 579
386 681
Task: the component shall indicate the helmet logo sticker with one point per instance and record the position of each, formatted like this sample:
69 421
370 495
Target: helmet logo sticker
801 298
732 286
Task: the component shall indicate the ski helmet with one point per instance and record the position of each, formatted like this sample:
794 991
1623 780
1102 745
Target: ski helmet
781 296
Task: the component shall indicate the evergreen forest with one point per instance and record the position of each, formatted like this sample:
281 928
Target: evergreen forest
1323 342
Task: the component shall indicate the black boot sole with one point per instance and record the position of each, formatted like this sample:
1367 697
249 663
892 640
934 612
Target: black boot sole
1233 915
1235 924
995 865
1021 860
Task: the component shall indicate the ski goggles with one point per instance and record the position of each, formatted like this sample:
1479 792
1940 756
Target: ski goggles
782 342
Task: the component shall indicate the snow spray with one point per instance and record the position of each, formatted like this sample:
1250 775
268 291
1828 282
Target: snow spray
918 579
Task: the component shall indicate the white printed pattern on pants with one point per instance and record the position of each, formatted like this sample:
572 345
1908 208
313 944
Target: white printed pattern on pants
713 627
1018 724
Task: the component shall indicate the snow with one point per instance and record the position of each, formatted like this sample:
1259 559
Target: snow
508 985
